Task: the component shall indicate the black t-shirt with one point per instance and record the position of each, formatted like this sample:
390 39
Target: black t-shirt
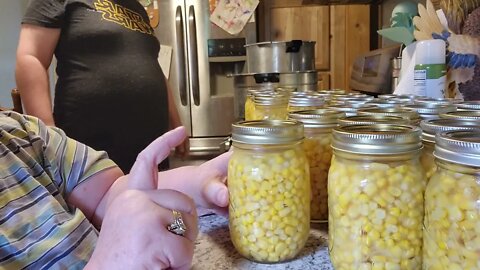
110 93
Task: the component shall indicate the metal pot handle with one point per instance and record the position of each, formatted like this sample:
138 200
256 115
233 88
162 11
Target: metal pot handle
293 46
267 77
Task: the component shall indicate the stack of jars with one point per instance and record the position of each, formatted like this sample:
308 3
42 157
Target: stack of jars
318 126
269 186
452 209
375 197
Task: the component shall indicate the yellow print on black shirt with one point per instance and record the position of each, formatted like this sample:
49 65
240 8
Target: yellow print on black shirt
123 16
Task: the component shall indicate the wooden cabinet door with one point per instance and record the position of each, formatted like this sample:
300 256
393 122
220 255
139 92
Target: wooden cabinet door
304 23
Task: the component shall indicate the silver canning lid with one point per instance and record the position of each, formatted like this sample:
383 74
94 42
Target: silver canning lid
408 114
378 139
350 109
267 132
317 118
437 101
372 120
462 147
357 100
383 103
404 98
470 115
469 105
270 99
305 101
430 111
431 128
386 96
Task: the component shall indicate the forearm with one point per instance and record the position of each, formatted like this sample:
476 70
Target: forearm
32 82
94 195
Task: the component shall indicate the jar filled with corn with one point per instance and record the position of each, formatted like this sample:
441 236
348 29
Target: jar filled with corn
430 128
375 198
271 106
318 126
452 209
269 186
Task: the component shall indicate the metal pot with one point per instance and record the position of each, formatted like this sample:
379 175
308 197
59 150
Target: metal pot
280 56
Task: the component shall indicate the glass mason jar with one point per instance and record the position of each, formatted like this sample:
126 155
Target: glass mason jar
466 115
372 120
430 111
452 209
269 186
305 102
249 101
375 198
430 129
270 107
408 114
318 126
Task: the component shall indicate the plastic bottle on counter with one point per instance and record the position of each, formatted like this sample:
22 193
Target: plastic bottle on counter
430 69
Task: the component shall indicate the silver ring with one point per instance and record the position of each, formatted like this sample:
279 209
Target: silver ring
178 226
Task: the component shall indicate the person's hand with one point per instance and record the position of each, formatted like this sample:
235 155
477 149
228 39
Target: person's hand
206 183
134 231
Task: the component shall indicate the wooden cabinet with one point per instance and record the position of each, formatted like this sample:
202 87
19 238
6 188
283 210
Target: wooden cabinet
342 32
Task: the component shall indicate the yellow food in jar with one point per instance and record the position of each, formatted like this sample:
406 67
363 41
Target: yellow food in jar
269 203
249 108
428 160
319 154
270 112
452 221
375 214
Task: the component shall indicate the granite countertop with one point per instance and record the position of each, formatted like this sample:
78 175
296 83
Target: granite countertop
215 251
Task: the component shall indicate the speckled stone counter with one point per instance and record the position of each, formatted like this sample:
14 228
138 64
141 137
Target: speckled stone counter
215 251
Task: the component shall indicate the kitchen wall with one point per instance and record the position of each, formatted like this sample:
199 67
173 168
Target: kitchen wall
11 12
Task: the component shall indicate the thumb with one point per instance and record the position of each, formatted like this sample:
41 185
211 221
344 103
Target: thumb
215 193
144 173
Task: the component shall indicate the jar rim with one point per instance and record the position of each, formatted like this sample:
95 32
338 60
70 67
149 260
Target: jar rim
317 118
378 139
433 127
459 146
471 115
373 119
267 132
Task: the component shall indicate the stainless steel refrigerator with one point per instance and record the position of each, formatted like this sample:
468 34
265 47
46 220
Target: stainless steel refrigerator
203 57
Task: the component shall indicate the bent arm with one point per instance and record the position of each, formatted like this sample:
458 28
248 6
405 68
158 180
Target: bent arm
34 54
94 195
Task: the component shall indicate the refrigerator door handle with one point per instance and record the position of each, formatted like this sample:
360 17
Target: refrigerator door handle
182 78
192 48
